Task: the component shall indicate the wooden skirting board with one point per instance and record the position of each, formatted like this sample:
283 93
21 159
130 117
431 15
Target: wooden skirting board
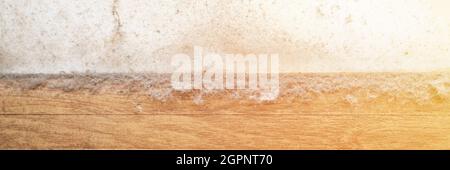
142 111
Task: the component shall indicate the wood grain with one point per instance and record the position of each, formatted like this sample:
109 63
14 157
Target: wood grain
125 115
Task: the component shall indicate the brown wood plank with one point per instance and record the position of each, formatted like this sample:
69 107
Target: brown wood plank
44 102
362 93
224 132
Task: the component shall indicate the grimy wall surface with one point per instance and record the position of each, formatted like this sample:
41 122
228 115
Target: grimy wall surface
105 36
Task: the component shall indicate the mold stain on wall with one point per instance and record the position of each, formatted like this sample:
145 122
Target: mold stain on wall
140 36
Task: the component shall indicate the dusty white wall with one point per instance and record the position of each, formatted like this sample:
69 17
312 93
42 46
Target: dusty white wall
50 36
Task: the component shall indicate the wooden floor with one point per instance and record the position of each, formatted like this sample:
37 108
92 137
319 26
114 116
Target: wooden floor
124 113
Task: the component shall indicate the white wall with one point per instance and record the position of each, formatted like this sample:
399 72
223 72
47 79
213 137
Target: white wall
50 36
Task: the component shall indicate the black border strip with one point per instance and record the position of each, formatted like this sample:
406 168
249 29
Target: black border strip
168 158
